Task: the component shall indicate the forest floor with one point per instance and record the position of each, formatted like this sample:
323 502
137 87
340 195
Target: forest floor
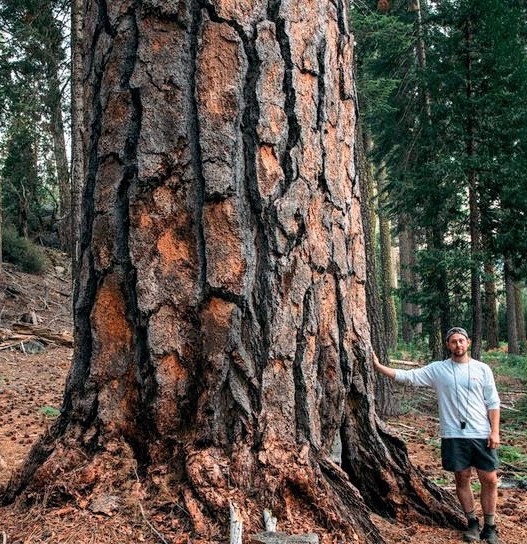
31 388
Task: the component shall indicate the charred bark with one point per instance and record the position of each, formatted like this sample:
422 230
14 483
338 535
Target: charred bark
222 342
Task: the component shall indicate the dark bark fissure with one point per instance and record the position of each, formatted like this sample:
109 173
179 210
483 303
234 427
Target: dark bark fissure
302 412
345 366
321 54
293 134
340 18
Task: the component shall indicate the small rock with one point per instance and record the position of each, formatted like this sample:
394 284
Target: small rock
31 347
60 270
105 504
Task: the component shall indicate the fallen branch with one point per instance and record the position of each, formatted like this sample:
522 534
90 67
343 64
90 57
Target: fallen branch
513 467
406 363
505 407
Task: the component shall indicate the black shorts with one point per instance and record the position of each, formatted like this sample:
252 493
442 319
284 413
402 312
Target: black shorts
461 453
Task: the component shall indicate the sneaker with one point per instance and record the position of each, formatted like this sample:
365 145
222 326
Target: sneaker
472 532
489 534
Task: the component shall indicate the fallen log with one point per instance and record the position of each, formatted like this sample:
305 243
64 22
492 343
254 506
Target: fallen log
49 335
24 332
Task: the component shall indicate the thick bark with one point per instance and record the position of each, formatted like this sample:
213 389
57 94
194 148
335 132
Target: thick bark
78 147
384 397
520 312
387 279
222 343
512 329
491 308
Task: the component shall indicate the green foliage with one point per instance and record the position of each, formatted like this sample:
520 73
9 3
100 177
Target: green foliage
22 252
50 412
513 455
441 122
33 73
416 351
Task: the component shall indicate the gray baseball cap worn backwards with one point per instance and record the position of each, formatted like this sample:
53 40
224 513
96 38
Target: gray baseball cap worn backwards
456 330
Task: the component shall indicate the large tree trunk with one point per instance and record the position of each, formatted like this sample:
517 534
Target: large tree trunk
491 308
78 145
387 279
384 397
512 328
222 342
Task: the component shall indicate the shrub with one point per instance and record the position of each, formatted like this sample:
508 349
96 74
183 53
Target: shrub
22 252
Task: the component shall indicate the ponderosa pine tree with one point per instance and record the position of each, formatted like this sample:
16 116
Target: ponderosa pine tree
222 341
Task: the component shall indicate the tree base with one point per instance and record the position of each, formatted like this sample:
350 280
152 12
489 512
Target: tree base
306 491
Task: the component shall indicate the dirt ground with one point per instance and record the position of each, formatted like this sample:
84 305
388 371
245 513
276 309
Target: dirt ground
31 387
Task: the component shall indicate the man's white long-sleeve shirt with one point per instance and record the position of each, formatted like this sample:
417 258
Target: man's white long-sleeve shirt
465 392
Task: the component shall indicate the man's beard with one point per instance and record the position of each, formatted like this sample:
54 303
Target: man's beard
459 352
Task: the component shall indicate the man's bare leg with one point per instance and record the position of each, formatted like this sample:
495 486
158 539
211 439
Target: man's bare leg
489 491
463 489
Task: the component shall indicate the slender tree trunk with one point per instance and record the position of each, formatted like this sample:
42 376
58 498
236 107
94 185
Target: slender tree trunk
61 161
221 331
520 313
78 146
414 279
512 328
435 281
407 310
491 308
387 280
474 219
384 398
439 319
